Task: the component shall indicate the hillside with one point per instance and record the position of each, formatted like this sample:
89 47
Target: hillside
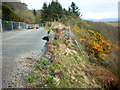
37 16
112 23
22 10
9 15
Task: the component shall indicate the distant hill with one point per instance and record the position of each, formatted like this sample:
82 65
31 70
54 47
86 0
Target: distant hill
105 20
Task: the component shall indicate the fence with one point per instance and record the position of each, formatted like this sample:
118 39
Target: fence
15 26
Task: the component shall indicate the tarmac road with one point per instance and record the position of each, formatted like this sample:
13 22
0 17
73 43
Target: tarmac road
16 43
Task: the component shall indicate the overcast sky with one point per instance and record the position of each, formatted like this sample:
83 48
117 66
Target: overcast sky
90 9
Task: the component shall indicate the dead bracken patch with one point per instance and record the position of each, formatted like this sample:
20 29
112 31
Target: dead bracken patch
105 78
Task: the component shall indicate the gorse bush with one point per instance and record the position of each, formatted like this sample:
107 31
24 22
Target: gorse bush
108 32
94 44
97 46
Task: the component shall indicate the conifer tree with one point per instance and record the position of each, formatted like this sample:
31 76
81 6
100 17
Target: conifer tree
34 12
52 12
74 9
44 12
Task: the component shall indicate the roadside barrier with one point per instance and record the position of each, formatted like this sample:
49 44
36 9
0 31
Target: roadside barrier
17 26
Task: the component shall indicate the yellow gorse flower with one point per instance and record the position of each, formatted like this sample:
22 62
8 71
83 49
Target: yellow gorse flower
92 32
116 47
97 47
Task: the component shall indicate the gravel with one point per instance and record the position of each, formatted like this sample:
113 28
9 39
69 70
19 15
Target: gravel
25 64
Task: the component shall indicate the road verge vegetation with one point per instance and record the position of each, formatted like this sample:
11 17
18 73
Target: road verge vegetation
66 65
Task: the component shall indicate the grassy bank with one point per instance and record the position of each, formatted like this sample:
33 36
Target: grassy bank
69 66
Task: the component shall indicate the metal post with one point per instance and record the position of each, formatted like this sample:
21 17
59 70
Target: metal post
24 26
12 25
69 32
1 25
19 25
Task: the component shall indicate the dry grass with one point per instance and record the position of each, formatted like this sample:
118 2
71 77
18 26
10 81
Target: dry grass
115 24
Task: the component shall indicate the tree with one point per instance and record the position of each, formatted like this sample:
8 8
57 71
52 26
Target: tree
34 12
74 9
65 12
44 12
52 12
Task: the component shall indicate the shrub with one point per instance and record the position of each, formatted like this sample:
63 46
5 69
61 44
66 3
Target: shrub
94 44
9 15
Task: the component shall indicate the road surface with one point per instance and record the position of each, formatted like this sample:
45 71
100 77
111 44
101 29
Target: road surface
16 43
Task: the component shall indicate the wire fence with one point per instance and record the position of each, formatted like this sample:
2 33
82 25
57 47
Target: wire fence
17 26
